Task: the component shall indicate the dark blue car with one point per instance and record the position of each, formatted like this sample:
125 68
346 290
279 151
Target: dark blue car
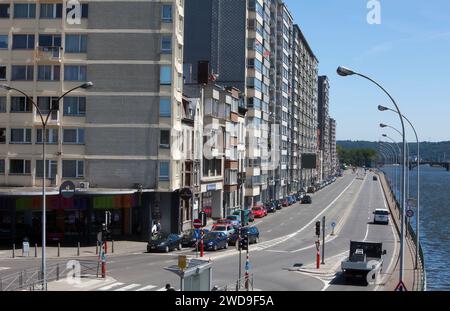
215 240
253 235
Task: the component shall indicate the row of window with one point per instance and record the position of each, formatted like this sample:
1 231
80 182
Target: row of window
75 43
73 106
44 72
47 10
23 136
70 168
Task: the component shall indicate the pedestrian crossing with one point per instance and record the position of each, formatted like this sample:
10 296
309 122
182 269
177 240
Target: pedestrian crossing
121 287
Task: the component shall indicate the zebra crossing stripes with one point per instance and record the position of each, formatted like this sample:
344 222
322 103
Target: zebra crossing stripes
120 287
128 287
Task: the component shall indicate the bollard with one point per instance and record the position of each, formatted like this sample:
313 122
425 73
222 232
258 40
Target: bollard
78 250
59 248
35 249
112 246
318 260
21 279
14 250
57 272
96 248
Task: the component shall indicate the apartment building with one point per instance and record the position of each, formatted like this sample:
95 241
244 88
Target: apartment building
333 153
119 142
234 36
324 126
305 74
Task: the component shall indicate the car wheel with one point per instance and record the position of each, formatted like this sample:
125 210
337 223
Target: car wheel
215 247
226 245
257 240
180 247
167 249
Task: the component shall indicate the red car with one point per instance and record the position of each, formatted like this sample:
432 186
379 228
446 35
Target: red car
284 202
259 211
220 222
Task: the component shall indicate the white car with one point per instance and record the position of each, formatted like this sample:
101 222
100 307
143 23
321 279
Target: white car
381 216
228 229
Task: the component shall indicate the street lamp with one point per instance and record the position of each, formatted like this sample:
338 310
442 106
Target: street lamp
343 71
382 108
395 144
54 106
395 158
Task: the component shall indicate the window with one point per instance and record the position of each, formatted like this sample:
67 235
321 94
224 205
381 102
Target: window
165 75
51 136
4 10
164 139
23 42
51 168
74 106
76 43
20 136
164 170
2 135
2 104
73 136
2 72
49 72
19 167
72 169
51 10
24 10
164 107
4 42
20 104
166 14
49 40
47 103
2 166
75 73
166 44
22 72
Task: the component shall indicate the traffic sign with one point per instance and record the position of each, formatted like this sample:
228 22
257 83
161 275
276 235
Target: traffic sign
401 287
333 224
196 234
409 213
67 189
197 223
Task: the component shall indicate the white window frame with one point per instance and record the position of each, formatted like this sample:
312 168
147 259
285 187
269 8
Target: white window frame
24 132
77 136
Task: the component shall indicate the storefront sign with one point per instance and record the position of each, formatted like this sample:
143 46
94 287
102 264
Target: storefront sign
211 187
67 189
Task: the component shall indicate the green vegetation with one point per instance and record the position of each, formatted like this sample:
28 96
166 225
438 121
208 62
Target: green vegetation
357 157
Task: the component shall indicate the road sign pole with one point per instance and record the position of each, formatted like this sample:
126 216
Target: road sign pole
323 240
201 245
318 254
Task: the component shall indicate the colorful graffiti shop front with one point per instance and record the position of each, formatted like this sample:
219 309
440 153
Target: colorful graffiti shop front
68 220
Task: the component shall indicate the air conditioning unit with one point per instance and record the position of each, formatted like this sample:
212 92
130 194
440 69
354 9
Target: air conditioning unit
83 185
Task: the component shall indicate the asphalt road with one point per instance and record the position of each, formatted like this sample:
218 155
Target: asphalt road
285 257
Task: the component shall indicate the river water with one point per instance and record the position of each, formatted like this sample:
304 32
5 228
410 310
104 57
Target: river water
434 221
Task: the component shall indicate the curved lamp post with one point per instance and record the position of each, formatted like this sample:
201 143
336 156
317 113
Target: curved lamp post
54 106
342 71
396 145
387 153
382 108
396 158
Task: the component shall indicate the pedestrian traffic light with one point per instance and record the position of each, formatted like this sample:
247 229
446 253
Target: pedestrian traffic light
318 228
243 242
202 216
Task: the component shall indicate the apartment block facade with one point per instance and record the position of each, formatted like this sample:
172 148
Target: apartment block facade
324 126
102 139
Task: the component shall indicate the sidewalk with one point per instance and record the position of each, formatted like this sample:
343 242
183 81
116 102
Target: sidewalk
120 248
411 277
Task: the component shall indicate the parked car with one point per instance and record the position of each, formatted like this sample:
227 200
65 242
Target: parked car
164 242
259 211
248 216
307 199
228 229
278 204
291 199
270 207
311 189
253 233
235 220
215 240
285 202
188 239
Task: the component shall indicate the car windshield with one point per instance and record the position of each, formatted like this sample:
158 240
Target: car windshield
220 228
257 208
382 212
160 236
232 217
212 235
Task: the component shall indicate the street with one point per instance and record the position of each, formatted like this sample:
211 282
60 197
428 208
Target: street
284 259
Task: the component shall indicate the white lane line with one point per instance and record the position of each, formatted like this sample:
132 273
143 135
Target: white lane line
327 240
110 286
148 287
269 230
4 268
128 287
158 290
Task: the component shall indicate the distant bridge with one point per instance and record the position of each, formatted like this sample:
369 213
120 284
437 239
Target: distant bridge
445 165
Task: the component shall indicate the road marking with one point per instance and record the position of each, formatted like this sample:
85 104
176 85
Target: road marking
269 230
145 288
110 286
161 289
125 288
4 268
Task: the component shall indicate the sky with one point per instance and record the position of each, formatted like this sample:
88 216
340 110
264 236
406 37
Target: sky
408 53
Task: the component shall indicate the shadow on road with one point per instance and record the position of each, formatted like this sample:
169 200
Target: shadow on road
339 279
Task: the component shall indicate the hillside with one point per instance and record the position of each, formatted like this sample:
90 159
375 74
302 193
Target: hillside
439 151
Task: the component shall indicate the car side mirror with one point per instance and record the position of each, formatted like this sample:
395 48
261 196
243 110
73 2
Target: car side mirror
384 252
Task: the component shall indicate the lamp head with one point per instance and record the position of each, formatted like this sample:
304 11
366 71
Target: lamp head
382 108
5 86
383 125
343 71
87 85
384 135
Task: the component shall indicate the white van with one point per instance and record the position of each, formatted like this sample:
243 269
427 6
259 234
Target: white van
381 216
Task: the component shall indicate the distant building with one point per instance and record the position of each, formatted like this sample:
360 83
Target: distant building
324 126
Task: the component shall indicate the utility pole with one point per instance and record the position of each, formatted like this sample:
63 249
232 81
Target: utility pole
323 240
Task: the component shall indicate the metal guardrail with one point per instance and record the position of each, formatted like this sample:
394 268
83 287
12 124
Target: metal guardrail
31 279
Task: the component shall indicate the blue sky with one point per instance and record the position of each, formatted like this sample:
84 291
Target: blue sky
408 53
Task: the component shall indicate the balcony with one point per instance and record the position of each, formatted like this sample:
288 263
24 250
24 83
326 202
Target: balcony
49 54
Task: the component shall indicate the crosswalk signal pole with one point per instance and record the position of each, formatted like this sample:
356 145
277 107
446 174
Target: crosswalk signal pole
247 265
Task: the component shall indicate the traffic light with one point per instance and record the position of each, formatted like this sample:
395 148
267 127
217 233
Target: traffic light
243 242
318 228
202 216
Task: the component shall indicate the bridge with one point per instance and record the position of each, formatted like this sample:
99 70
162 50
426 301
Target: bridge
445 165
